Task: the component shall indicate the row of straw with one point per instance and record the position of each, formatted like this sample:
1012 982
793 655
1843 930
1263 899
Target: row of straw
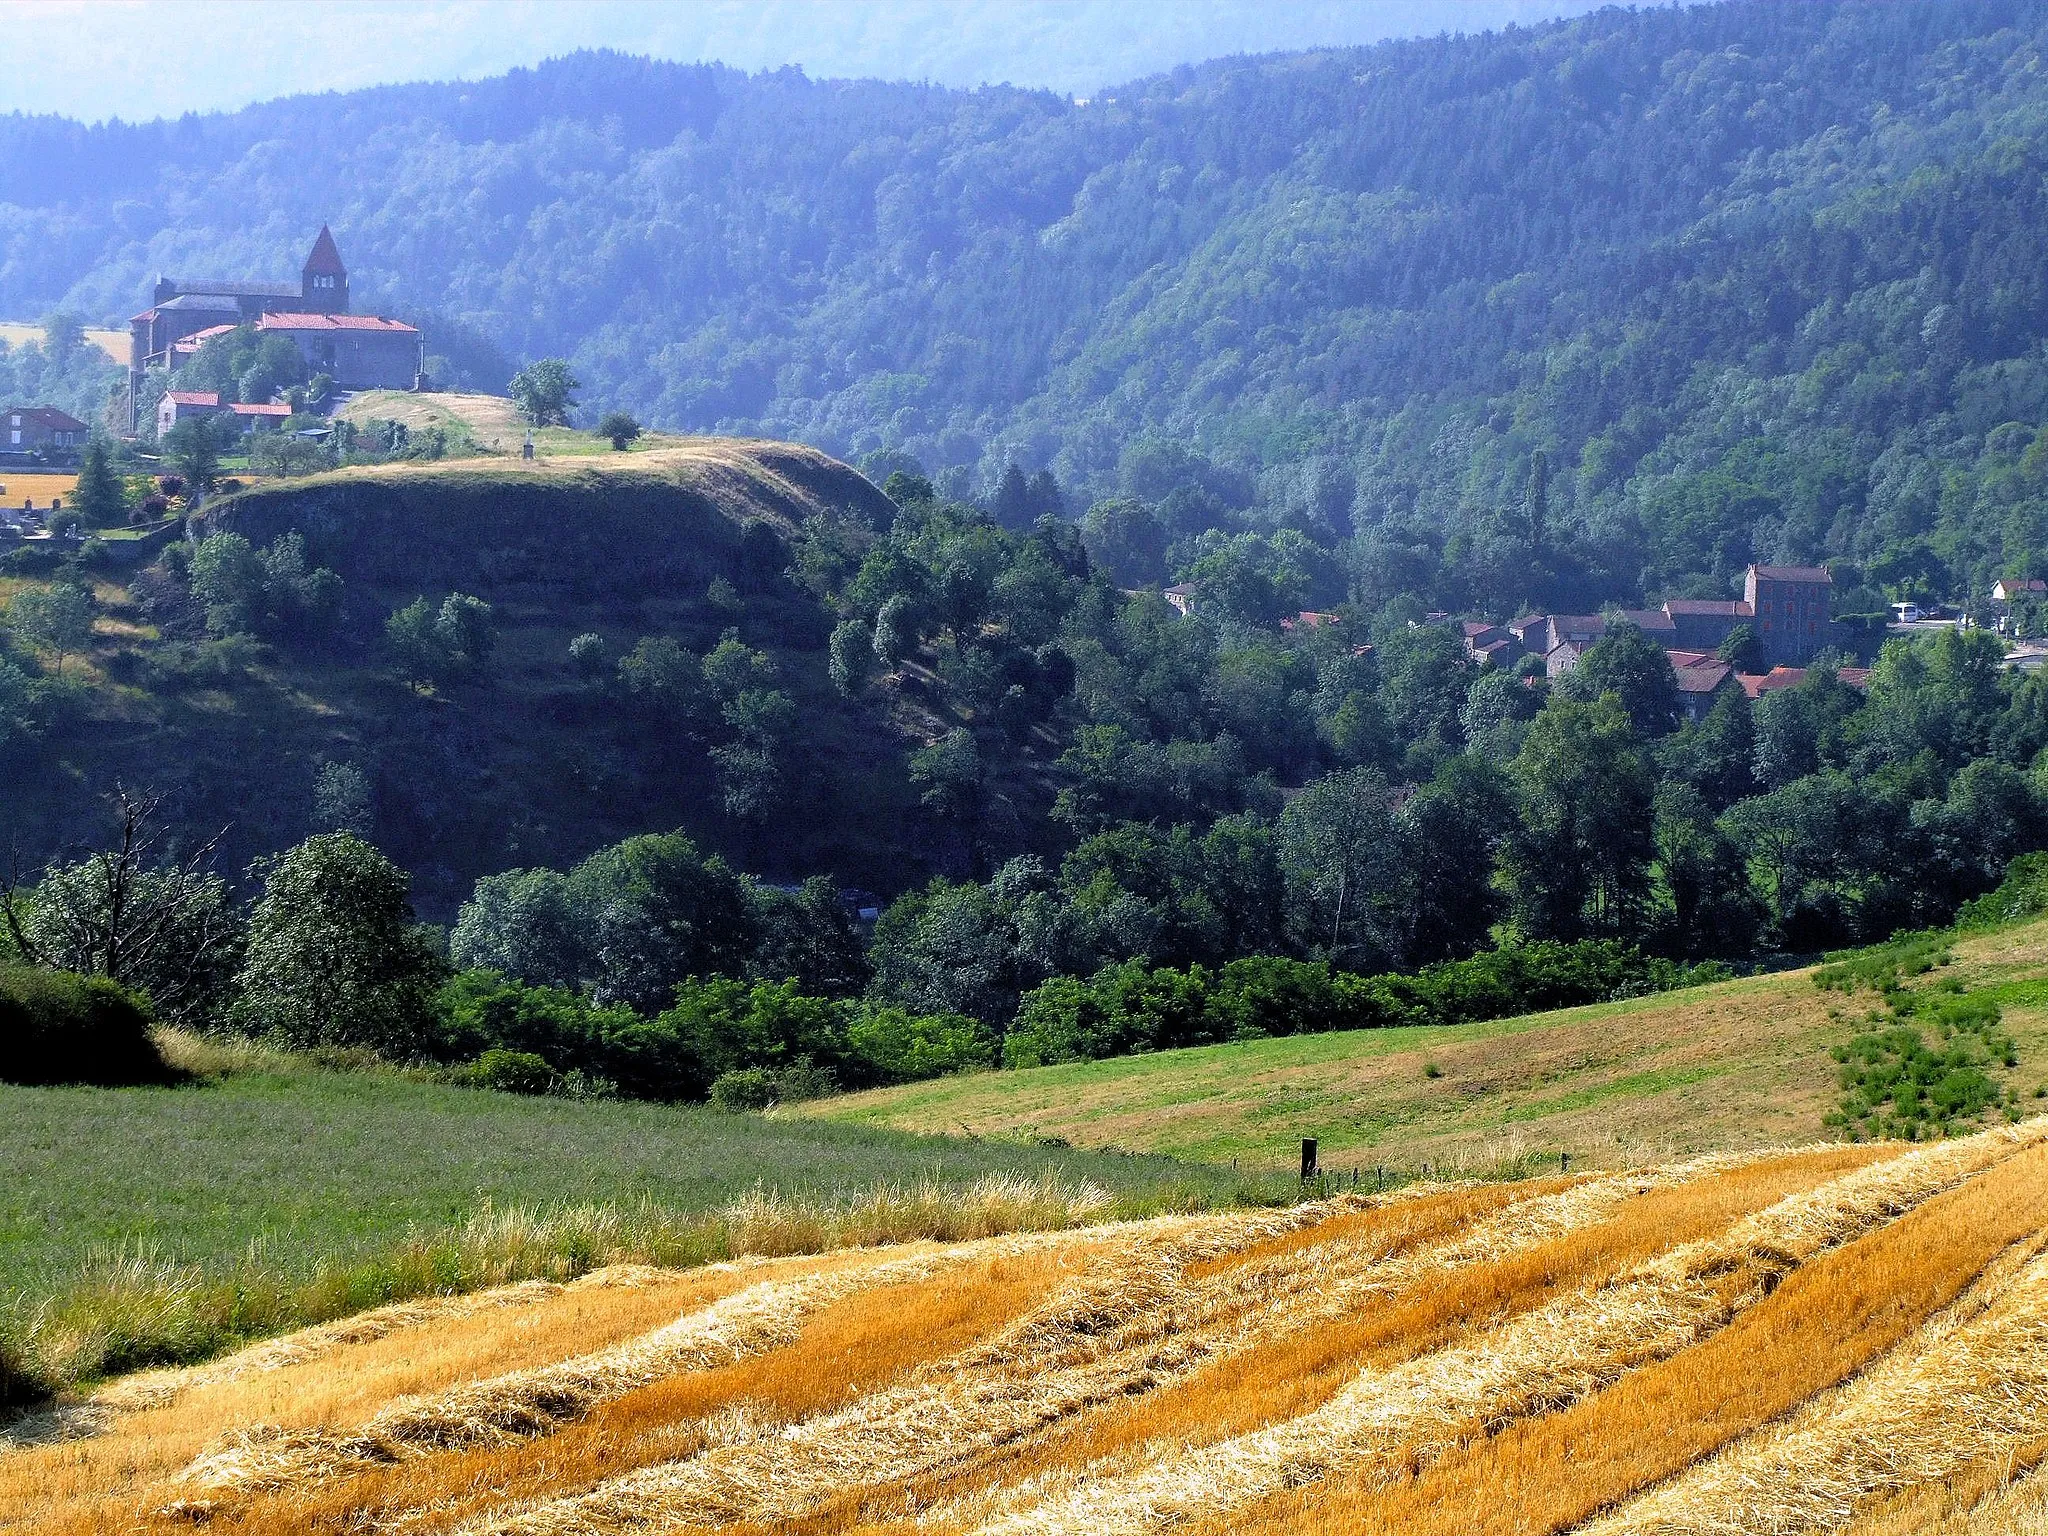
1131 1327
1971 1387
1387 1422
522 1404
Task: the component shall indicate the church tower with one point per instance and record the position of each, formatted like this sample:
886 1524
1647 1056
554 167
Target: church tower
324 278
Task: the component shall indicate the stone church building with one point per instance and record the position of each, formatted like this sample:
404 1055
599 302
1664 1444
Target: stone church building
356 351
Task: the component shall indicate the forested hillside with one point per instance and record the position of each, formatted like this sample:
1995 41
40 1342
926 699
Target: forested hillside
1758 280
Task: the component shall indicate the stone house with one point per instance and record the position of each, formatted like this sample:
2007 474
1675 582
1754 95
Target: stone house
39 428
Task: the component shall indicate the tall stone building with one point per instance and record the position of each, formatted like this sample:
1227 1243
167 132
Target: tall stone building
1791 608
356 351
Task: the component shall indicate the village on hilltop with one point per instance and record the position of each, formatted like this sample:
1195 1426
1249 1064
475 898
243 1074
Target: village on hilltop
354 351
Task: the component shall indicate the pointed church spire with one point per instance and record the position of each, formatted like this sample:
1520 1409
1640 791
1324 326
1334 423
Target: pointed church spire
325 257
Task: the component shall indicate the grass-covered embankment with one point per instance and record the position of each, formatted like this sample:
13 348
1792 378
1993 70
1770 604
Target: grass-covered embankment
140 1226
1739 1063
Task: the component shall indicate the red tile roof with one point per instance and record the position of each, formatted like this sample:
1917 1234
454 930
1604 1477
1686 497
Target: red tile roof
192 397
1698 671
261 410
1648 618
1309 619
298 322
1792 677
199 339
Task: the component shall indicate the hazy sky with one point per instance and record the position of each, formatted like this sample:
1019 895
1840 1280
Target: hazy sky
139 59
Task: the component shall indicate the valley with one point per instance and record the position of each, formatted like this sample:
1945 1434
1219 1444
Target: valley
1305 796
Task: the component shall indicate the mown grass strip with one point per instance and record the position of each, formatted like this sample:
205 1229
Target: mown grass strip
1302 1369
1827 1320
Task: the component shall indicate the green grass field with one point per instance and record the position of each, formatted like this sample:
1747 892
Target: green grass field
313 1166
1743 1063
157 1226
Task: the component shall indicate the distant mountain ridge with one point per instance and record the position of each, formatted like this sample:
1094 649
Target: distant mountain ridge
1749 276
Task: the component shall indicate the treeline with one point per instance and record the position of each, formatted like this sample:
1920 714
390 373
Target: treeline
1126 1009
645 972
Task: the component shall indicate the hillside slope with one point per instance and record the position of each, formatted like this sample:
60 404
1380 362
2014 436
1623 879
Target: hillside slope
1810 1340
1744 1063
531 762
641 525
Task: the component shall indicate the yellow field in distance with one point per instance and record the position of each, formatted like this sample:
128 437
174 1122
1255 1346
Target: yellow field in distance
16 332
39 488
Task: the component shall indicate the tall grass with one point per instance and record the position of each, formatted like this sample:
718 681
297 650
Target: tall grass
134 1309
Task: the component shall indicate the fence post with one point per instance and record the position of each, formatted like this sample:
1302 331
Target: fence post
1308 1158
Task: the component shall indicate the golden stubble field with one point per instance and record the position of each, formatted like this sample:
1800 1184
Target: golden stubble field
18 485
1839 1338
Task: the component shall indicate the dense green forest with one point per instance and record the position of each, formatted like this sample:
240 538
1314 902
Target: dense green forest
1757 280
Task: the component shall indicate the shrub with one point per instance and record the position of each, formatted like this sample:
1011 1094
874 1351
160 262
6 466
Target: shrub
888 1045
758 1088
481 1012
744 1089
59 1027
2022 894
509 1072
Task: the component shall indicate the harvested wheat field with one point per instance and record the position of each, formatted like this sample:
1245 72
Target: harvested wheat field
1841 1337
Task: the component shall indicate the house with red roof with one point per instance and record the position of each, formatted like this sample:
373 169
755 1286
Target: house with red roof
1700 676
183 405
356 351
39 428
1790 606
1791 677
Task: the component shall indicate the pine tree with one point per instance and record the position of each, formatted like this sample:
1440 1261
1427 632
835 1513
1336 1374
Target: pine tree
99 497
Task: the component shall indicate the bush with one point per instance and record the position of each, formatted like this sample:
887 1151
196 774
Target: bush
59 1027
717 1031
509 1072
758 1088
888 1045
2022 894
744 1089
